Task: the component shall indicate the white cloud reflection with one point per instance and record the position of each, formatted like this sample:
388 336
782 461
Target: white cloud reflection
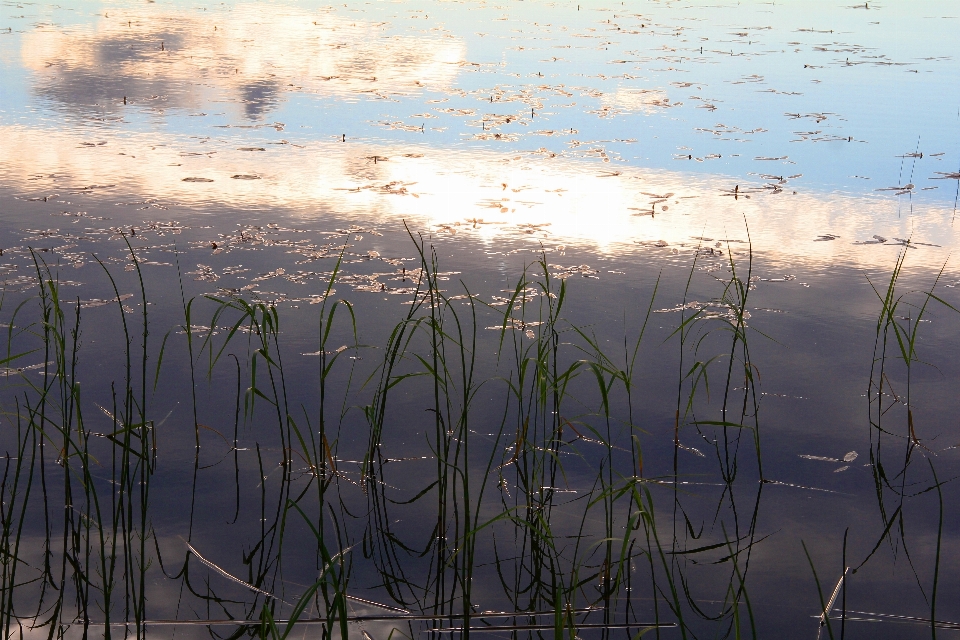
251 54
487 194
246 57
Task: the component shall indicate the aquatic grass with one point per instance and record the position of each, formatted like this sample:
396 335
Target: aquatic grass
537 387
54 419
697 332
542 506
896 355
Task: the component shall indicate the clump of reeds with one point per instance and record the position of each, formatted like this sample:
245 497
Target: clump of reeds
549 510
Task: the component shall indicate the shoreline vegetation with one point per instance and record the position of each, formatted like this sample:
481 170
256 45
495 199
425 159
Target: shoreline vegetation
546 513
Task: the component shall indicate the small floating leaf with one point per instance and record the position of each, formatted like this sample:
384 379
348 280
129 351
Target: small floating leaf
851 456
197 180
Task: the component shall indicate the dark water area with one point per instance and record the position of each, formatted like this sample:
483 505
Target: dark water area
542 230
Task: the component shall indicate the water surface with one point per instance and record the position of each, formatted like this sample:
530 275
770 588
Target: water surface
646 153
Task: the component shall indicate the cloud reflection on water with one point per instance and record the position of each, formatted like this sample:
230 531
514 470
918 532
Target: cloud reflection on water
483 193
250 56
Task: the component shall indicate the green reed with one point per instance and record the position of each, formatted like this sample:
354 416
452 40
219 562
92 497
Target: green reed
498 520
895 444
95 534
104 550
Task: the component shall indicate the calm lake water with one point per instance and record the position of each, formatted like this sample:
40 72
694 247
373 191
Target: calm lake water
646 153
